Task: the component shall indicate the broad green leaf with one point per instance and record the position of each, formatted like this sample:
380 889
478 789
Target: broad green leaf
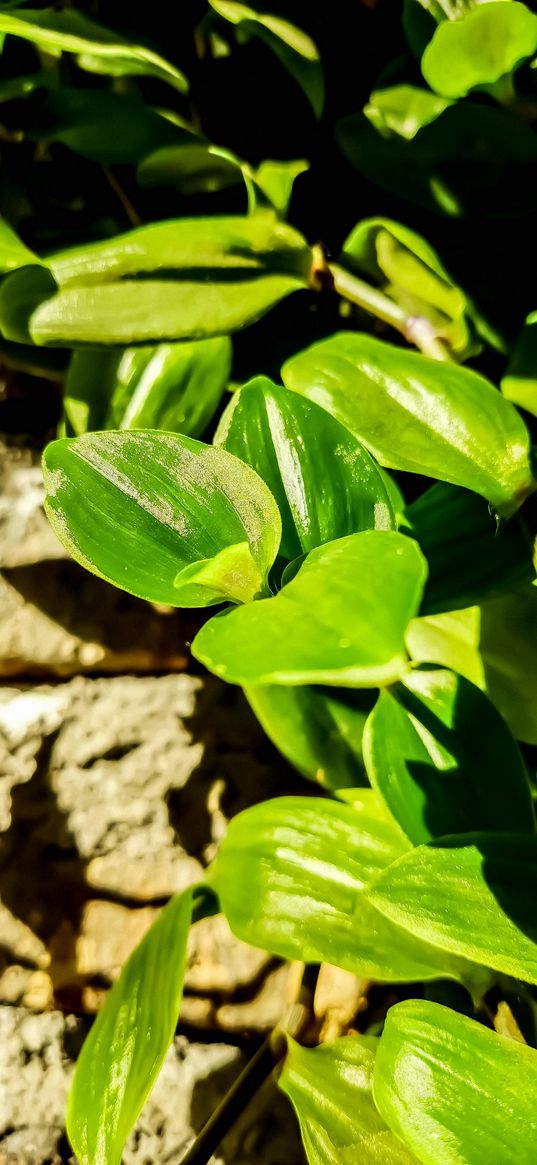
481 48
294 48
519 383
175 387
162 516
473 896
412 274
285 438
149 310
493 645
124 1052
13 252
415 414
318 729
454 1091
342 619
98 49
404 110
231 246
443 759
331 1090
469 554
290 877
181 279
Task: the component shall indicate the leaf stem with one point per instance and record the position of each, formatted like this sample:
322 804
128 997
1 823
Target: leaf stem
416 329
256 1071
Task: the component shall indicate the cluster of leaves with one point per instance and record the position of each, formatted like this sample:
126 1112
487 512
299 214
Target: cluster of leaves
360 513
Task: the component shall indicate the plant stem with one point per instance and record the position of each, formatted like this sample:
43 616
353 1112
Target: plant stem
257 1070
415 329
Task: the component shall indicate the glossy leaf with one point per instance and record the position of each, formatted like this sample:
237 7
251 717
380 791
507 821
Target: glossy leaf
149 310
444 760
199 528
318 729
13 252
419 415
488 42
174 387
124 1052
276 180
98 49
331 1090
190 167
494 646
473 896
294 48
520 381
239 247
290 876
341 620
285 438
454 1091
470 555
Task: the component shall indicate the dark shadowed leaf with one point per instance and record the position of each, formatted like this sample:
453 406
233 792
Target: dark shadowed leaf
436 772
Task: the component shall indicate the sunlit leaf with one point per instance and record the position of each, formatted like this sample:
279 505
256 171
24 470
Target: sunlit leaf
284 438
342 619
199 528
13 252
454 1091
419 415
98 49
488 42
473 896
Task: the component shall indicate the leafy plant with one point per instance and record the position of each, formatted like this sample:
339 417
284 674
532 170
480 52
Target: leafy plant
282 400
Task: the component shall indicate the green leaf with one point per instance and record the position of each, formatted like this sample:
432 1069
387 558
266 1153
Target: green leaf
318 729
331 1090
81 120
285 438
404 110
98 49
191 167
276 180
21 294
13 252
412 274
124 1052
493 645
455 1092
147 511
470 555
473 896
419 415
175 387
481 48
341 620
443 759
519 383
228 246
290 877
181 279
294 48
